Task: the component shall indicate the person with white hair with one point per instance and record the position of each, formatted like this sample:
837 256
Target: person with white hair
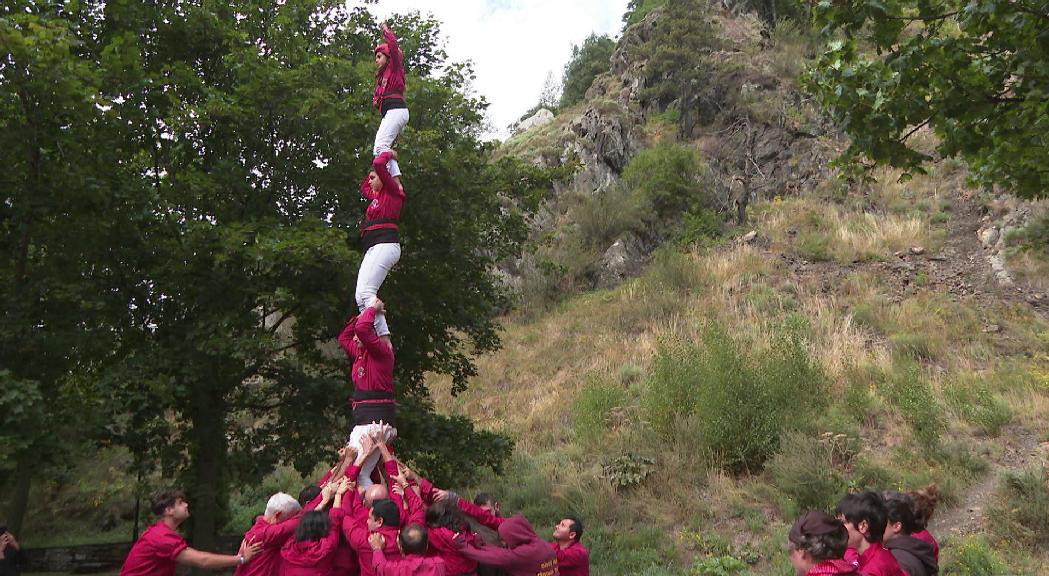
272 530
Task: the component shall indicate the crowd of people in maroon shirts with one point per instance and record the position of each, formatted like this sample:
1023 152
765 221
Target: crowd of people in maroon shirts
872 534
400 525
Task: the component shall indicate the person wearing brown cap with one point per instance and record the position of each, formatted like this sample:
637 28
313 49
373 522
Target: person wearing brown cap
817 545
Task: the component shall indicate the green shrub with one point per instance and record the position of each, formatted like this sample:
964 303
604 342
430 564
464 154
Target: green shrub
669 179
591 410
808 469
602 218
701 226
912 396
629 550
912 345
627 471
1021 513
972 556
734 405
972 399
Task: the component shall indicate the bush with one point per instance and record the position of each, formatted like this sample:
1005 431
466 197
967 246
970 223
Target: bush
1022 511
669 179
591 411
701 226
720 566
973 400
807 469
602 218
912 396
735 405
972 556
912 345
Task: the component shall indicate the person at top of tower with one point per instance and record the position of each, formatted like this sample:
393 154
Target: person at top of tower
388 98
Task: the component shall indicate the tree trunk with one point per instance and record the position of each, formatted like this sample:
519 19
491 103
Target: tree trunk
207 475
19 502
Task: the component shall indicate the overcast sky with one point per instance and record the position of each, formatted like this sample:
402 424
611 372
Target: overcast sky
513 44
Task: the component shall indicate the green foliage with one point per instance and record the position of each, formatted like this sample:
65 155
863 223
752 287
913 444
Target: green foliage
975 72
669 179
719 566
909 392
1021 513
602 218
628 470
973 399
588 60
701 226
809 470
680 69
972 556
733 401
591 411
637 10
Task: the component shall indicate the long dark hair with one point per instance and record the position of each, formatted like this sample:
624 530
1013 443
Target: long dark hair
445 515
313 526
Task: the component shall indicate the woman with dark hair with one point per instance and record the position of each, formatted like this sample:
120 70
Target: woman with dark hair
914 555
817 546
312 550
925 501
445 520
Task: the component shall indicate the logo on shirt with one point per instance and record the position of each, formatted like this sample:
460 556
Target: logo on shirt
360 372
375 203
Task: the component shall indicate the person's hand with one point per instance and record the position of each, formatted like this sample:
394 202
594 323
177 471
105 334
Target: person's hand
327 491
378 305
11 540
249 548
367 445
349 453
439 494
344 486
376 541
397 488
393 153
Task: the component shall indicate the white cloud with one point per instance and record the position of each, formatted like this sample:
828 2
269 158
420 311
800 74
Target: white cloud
513 44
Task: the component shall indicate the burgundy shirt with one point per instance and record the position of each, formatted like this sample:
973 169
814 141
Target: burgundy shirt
373 359
389 82
313 557
572 560
155 552
388 201
411 566
272 537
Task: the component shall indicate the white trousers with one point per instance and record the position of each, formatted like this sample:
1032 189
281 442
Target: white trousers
365 478
375 265
389 129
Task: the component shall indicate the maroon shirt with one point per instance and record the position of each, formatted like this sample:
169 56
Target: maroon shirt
442 545
387 202
878 561
526 554
833 568
373 359
272 537
155 552
410 566
572 560
313 557
389 82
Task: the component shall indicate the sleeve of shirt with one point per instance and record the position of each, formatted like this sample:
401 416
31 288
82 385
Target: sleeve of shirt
389 185
379 562
396 57
486 519
274 535
366 190
365 331
346 340
170 545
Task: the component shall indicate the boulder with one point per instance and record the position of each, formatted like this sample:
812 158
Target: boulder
621 260
542 116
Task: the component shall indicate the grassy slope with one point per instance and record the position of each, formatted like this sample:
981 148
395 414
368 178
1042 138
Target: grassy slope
817 256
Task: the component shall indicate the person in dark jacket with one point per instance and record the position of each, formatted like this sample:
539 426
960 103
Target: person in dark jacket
916 556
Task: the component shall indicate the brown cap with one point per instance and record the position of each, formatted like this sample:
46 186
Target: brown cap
813 524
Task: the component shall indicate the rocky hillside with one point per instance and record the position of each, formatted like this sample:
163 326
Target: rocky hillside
689 395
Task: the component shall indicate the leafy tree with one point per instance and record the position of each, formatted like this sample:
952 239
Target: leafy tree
975 73
636 10
588 60
216 250
668 179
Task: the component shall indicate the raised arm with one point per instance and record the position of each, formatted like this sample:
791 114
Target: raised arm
346 338
365 330
396 58
389 185
210 561
486 518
